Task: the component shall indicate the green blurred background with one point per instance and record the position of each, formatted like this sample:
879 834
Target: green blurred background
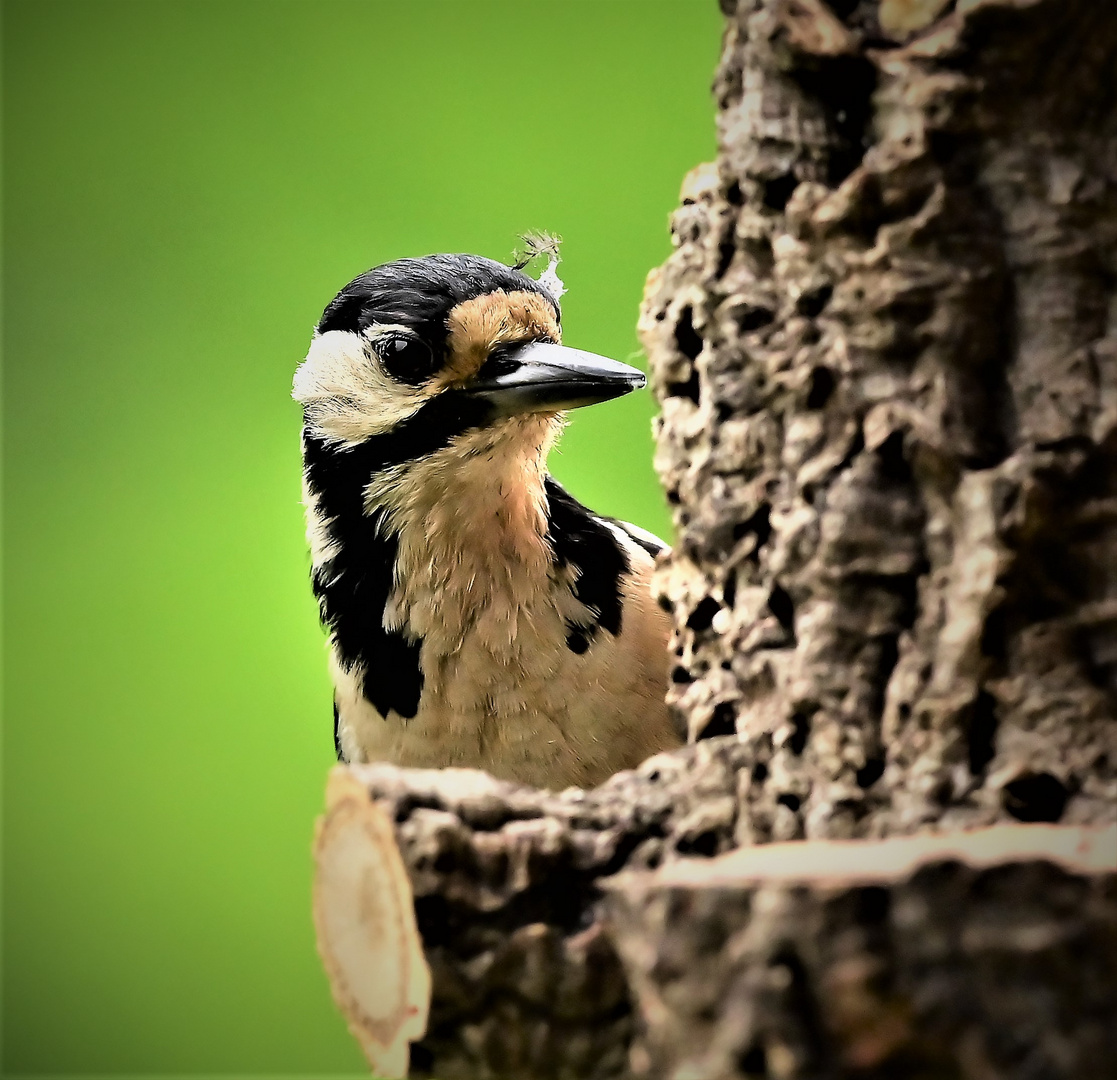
185 186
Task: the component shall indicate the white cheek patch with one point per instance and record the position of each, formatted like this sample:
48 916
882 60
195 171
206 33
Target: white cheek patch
345 395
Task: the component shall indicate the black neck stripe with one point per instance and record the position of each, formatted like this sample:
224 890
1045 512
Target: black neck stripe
338 475
580 539
354 586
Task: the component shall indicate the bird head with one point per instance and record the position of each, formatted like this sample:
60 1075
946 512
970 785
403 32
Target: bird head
417 352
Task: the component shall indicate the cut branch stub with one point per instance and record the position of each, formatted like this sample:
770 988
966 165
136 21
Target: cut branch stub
365 920
984 954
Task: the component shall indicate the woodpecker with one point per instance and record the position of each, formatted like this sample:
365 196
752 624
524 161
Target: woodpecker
478 614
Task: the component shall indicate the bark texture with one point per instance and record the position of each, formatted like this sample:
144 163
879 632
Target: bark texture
507 886
886 353
556 952
942 969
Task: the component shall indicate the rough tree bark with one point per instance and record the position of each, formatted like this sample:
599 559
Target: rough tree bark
887 356
886 353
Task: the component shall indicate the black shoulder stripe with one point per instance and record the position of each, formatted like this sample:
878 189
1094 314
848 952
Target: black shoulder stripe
337 733
580 539
353 587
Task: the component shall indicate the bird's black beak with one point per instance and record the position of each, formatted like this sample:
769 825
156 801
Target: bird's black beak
541 377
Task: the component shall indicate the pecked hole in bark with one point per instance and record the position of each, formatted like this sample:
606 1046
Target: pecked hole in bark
729 590
889 655
782 607
704 844
801 724
689 389
758 525
843 86
892 459
726 250
799 996
751 317
981 733
994 635
686 337
821 387
870 772
777 191
702 617
1036 797
723 722
874 904
813 302
753 1062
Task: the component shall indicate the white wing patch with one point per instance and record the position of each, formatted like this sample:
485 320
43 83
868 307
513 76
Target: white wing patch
630 534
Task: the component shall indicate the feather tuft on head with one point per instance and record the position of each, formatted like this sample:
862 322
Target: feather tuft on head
537 244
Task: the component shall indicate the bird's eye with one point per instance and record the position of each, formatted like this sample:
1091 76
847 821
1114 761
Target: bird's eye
409 359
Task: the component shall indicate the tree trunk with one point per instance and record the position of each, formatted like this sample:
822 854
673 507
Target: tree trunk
886 353
555 950
888 366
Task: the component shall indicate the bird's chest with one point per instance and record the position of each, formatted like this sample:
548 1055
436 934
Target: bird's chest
474 575
498 679
482 647
493 631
